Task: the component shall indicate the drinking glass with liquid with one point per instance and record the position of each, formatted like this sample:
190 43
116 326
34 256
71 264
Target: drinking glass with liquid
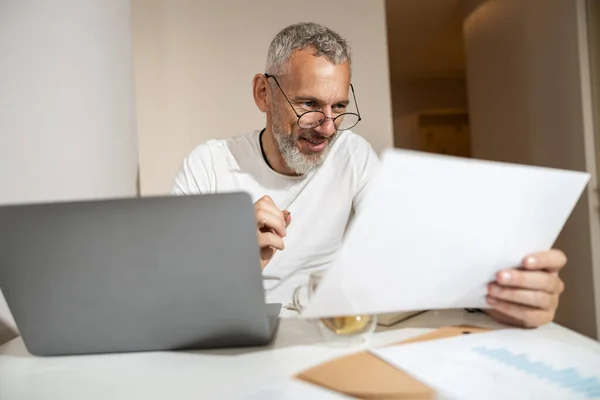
347 329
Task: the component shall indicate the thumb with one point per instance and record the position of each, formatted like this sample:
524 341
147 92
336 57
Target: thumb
287 216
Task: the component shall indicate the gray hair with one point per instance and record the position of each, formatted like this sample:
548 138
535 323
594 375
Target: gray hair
323 41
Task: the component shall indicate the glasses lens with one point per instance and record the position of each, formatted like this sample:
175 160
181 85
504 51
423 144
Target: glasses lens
311 119
346 121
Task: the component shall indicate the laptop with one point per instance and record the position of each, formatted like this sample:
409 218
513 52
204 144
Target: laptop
138 274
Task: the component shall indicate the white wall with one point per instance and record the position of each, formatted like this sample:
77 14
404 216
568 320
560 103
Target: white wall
195 60
530 103
67 121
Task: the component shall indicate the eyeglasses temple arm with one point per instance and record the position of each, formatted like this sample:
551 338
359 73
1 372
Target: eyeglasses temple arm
282 92
355 103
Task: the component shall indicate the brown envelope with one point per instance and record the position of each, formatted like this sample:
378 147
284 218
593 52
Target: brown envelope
365 376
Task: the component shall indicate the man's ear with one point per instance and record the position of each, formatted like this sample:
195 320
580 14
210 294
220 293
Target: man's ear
259 90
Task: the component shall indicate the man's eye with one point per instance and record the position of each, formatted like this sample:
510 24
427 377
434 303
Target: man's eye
309 104
339 107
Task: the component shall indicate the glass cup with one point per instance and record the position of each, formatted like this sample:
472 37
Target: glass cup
350 329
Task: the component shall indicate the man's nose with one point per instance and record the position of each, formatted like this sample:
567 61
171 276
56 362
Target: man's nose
327 128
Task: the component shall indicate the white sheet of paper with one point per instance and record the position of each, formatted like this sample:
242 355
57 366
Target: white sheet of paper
434 230
505 364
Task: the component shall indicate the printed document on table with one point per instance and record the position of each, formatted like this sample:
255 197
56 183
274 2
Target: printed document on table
506 364
434 230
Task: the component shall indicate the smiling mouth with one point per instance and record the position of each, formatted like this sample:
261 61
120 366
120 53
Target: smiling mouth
314 141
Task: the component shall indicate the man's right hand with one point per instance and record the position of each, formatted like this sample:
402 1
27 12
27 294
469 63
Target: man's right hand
271 228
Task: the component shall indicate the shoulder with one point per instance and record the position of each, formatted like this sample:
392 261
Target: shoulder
205 152
201 167
216 151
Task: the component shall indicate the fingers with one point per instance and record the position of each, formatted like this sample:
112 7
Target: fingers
528 317
267 199
532 280
272 228
270 239
269 221
551 260
529 294
270 217
287 216
531 298
268 206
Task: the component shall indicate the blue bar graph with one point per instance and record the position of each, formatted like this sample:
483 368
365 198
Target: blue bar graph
569 378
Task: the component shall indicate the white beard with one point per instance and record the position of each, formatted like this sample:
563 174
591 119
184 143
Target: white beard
296 160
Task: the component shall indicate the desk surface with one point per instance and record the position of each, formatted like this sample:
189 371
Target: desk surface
211 374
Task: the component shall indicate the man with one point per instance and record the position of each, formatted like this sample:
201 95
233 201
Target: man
307 173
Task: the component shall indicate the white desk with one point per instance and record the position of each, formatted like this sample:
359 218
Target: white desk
207 374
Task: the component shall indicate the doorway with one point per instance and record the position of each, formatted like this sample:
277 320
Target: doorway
428 77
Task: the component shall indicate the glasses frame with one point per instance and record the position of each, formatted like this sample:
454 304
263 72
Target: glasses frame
325 117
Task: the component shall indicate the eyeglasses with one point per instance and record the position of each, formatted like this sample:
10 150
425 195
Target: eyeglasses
312 119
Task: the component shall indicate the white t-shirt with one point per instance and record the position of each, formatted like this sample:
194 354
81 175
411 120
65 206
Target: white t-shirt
321 203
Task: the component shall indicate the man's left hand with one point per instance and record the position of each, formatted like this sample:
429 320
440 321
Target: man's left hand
528 296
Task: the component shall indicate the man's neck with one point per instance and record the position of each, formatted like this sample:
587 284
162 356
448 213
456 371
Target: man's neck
272 154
